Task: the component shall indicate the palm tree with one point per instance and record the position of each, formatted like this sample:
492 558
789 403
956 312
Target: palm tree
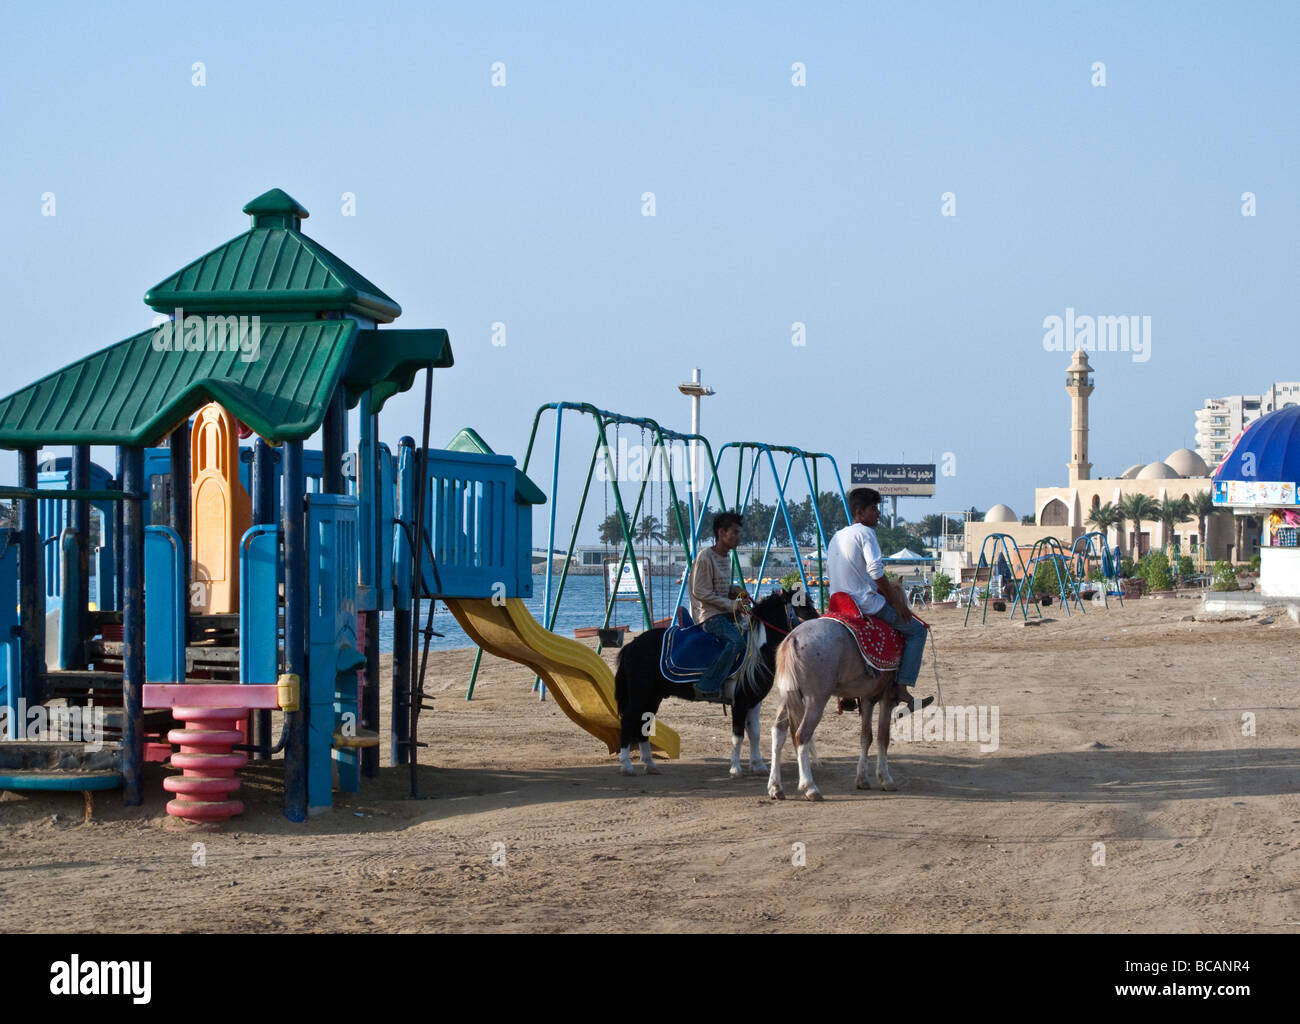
1138 508
932 528
1202 507
648 530
1103 518
610 531
1121 519
1171 511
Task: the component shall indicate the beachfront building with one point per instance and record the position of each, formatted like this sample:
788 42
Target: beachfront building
1063 512
1220 420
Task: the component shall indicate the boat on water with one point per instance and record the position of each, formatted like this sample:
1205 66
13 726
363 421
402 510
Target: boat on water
587 632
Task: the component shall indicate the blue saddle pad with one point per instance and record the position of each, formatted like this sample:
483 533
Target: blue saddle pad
689 650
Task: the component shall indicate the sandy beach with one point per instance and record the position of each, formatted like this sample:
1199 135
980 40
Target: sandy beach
1126 794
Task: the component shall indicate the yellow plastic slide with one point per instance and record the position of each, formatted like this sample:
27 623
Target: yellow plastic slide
577 676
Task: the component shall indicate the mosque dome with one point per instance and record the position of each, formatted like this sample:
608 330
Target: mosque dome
1186 462
1000 513
1132 472
1157 471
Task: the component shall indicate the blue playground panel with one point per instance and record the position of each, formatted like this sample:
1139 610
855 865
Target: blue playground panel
164 602
332 654
480 535
260 573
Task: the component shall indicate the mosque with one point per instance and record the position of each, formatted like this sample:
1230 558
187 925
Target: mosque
1063 512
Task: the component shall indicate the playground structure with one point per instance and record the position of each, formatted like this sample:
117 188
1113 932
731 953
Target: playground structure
657 467
999 549
234 581
1049 550
1069 569
1090 553
254 573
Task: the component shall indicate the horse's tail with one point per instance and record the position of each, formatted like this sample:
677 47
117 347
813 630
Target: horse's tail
787 686
620 683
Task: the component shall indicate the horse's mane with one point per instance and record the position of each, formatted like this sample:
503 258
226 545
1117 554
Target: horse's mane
757 636
753 652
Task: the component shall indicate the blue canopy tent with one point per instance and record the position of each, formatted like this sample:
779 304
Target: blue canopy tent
1259 475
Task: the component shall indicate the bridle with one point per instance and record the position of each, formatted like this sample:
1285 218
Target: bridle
791 620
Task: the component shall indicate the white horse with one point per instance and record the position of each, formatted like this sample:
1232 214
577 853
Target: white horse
817 661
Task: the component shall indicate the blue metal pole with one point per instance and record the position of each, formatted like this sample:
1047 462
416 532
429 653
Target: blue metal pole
31 588
179 448
781 485
400 727
373 537
811 478
293 503
263 483
335 443
696 529
538 684
133 626
80 601
119 513
263 495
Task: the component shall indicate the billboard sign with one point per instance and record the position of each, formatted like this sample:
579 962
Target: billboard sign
895 478
624 583
1257 493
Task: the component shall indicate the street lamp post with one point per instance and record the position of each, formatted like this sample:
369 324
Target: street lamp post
696 391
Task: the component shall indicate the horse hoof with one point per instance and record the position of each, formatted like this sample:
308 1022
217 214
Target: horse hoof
626 769
735 772
776 792
863 784
758 769
889 786
813 795
651 769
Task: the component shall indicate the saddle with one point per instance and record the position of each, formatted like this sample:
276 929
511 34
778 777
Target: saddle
688 651
880 643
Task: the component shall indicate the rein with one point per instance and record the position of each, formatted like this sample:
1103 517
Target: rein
789 615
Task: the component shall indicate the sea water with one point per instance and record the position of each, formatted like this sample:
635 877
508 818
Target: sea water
582 604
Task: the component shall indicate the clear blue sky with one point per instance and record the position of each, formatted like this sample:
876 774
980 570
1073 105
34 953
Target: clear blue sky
775 204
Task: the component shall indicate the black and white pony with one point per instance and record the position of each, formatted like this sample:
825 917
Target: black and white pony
639 686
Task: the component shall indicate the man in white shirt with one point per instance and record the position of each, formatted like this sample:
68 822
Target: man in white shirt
857 568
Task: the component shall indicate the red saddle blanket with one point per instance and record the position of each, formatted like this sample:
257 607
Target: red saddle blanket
880 643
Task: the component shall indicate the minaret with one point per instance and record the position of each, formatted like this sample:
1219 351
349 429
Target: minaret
1078 382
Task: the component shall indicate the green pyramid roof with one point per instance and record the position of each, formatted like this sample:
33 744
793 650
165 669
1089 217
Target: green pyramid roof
135 392
272 268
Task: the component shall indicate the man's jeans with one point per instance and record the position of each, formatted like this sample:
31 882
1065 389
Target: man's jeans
725 630
913 644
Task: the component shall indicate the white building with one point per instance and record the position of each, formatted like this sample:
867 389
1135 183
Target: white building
1222 419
